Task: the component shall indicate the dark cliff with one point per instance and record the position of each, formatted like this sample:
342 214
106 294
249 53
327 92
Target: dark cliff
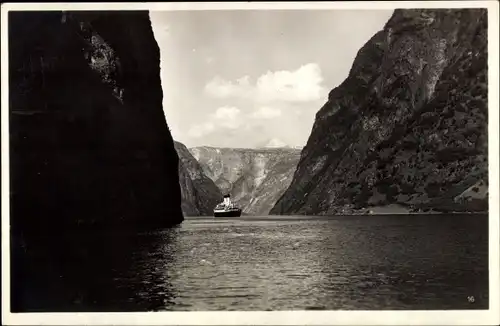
90 149
199 193
409 124
88 138
255 178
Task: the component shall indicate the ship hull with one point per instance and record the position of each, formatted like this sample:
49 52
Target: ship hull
229 213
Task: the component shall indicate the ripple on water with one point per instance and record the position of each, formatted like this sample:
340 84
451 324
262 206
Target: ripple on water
380 263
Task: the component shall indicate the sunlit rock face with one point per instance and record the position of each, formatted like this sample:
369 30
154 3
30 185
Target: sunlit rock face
200 195
255 178
409 124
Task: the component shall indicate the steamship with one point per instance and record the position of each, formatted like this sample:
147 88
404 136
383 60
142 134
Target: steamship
227 208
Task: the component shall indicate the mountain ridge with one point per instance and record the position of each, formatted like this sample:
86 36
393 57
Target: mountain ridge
198 192
407 126
254 177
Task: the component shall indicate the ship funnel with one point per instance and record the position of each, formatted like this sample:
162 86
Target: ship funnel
227 200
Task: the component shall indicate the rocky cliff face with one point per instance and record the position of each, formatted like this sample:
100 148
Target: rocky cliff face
199 193
409 124
89 141
255 178
90 149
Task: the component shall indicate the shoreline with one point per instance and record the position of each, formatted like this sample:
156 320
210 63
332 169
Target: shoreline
331 216
389 210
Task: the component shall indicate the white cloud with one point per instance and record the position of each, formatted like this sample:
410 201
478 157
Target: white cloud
224 117
227 116
266 112
228 112
221 88
200 130
300 85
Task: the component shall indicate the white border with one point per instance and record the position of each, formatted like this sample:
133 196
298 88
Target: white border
400 317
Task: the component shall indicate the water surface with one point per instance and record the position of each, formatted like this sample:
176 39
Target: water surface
293 263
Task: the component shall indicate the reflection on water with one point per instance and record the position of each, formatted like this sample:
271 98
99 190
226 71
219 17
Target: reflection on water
279 263
107 272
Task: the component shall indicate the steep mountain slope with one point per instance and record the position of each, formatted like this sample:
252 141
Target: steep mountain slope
89 140
199 193
91 155
409 124
255 178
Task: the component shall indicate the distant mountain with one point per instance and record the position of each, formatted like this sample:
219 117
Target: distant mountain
255 178
275 143
198 192
409 125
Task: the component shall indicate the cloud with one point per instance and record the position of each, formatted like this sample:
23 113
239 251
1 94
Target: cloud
226 117
228 112
266 112
201 130
300 85
221 88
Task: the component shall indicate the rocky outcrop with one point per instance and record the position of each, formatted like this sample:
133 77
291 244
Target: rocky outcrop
89 140
409 124
255 178
199 193
90 149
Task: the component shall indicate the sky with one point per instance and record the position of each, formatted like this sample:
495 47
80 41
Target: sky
254 78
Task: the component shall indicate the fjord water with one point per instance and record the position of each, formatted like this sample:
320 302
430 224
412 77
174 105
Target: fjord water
288 263
364 262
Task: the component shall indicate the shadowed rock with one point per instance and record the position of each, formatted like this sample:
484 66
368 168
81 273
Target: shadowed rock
90 150
200 195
